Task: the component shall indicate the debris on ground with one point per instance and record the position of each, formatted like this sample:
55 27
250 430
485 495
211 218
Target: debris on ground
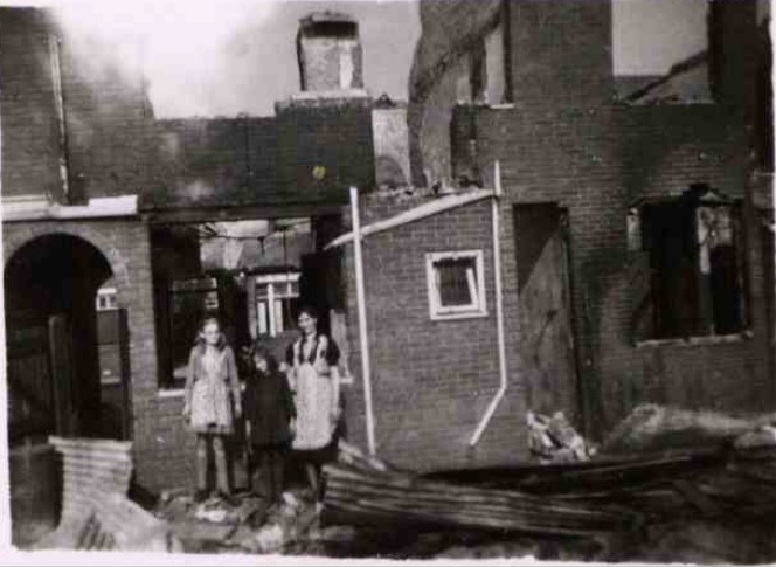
652 427
554 440
711 503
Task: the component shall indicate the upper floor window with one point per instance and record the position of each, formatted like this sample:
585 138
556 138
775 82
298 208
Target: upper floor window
660 51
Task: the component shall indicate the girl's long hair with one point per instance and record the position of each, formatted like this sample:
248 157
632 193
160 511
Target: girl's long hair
200 342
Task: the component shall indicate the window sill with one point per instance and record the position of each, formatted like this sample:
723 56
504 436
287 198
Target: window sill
456 316
172 392
697 341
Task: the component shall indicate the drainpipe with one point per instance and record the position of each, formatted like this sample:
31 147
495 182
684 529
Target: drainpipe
362 331
502 359
55 56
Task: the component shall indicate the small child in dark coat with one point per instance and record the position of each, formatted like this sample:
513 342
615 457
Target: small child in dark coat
270 420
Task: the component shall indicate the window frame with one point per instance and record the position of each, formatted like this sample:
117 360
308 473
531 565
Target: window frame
106 299
271 281
638 229
439 312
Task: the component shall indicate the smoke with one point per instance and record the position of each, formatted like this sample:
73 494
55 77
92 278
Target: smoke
223 57
177 45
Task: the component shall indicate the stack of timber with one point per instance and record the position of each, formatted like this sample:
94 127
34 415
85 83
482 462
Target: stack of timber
575 499
357 495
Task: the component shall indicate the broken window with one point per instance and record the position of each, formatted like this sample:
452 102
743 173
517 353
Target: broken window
455 284
694 249
277 301
191 301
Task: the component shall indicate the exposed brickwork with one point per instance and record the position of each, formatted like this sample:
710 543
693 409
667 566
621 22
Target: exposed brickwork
214 162
337 136
162 449
563 141
560 52
30 134
431 380
597 162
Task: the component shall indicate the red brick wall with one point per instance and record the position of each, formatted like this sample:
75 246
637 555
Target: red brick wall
431 380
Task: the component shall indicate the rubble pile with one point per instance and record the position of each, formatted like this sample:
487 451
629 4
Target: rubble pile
684 486
554 440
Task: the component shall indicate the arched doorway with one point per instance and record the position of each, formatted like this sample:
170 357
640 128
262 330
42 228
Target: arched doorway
53 342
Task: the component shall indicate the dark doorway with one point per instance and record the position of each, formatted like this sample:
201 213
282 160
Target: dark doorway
53 338
546 343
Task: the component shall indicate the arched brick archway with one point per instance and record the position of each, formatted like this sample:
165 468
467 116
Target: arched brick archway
17 237
55 341
124 244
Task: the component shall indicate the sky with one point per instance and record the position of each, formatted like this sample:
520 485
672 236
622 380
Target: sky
223 57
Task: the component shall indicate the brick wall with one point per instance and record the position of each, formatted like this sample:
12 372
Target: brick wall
106 111
559 52
391 143
596 161
107 115
450 29
162 449
30 130
333 133
431 380
214 162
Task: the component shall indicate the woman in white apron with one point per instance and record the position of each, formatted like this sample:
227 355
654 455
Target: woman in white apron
314 377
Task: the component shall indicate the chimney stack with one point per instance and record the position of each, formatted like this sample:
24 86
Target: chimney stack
329 53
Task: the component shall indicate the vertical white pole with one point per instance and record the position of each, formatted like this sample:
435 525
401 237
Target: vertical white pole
362 330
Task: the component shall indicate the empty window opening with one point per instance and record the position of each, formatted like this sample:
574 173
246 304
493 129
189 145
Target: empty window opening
455 284
481 76
660 51
694 247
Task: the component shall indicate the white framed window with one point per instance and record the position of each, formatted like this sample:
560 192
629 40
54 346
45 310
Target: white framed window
106 299
456 285
277 300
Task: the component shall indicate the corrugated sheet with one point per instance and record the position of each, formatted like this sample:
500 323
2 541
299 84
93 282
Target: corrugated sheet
96 514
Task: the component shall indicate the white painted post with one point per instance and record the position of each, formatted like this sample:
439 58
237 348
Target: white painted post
362 329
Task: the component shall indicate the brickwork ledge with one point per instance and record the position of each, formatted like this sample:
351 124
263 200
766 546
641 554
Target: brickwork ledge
41 209
697 341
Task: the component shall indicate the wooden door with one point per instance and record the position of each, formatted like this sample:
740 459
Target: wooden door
31 405
546 339
60 352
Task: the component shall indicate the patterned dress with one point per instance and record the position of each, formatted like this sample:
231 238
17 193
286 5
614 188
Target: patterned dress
311 362
211 388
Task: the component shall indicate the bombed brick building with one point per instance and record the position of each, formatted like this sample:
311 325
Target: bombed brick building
121 231
586 242
634 234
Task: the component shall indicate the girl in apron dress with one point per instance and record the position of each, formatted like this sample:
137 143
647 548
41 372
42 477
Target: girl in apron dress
212 389
314 377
